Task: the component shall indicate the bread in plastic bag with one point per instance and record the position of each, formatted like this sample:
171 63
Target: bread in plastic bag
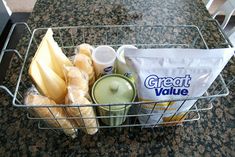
83 61
77 78
33 98
77 87
84 49
74 97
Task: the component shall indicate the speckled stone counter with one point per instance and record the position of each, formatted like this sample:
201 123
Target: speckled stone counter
212 135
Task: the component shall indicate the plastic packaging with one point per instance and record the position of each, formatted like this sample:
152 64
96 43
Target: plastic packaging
33 98
165 74
85 115
104 58
77 86
46 68
83 61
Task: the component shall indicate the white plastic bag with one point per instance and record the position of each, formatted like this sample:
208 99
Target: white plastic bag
165 74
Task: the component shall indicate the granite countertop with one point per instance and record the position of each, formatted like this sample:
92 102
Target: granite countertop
212 135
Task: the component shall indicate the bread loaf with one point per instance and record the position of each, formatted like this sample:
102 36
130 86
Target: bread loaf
50 112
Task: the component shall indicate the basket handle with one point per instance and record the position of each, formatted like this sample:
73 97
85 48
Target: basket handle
16 52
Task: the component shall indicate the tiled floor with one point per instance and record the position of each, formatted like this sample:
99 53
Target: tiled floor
21 5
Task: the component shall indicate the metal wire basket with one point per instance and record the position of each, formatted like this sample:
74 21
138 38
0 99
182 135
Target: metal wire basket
157 36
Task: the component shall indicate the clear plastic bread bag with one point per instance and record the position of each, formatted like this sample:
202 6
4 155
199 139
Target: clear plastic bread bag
77 86
83 61
49 113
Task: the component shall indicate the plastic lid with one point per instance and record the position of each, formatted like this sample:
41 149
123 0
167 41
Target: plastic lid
120 51
113 89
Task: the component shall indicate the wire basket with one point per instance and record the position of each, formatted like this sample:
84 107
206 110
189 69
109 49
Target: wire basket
158 36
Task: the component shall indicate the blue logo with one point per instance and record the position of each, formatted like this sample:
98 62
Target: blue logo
127 74
168 85
108 69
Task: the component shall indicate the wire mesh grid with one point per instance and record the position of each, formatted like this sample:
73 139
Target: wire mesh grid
159 36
